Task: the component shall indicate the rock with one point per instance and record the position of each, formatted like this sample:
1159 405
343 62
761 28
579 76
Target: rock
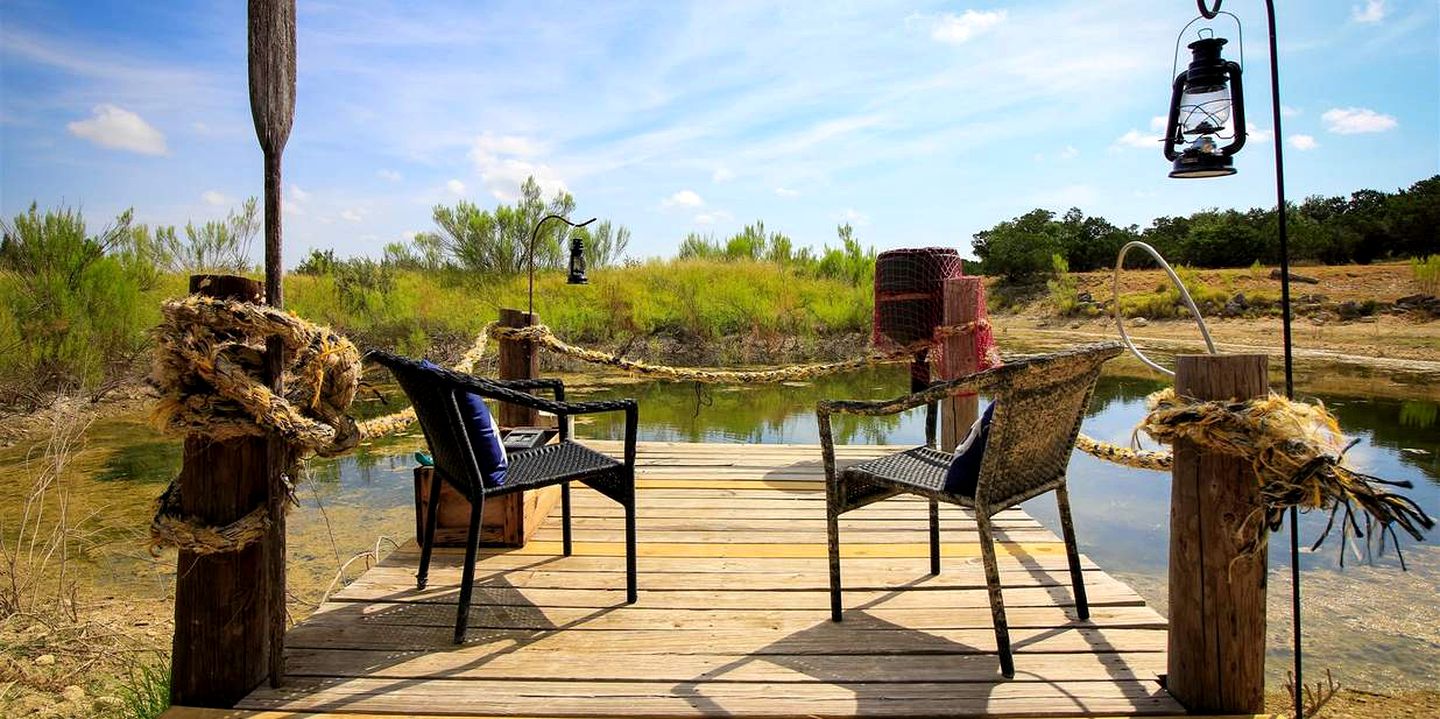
1275 275
1084 298
1139 322
73 693
1349 310
45 660
1415 451
1074 325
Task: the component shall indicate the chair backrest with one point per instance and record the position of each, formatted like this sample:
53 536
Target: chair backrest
433 395
1039 405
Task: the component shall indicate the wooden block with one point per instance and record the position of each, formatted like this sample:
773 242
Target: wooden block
507 521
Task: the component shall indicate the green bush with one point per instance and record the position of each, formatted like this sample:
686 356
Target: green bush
73 315
1064 290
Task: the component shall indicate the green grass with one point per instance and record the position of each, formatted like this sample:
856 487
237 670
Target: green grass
145 693
1427 274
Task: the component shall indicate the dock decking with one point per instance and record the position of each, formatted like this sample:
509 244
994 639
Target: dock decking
732 618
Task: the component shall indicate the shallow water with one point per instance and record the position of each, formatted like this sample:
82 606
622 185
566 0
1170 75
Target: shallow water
1372 624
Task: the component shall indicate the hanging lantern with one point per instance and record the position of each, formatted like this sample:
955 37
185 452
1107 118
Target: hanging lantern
1207 106
577 262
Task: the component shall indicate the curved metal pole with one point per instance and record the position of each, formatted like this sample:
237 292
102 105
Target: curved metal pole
1282 213
530 254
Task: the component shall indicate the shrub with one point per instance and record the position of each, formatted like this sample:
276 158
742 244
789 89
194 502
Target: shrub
1063 287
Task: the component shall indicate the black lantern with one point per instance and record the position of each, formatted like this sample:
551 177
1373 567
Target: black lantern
577 256
577 262
1207 106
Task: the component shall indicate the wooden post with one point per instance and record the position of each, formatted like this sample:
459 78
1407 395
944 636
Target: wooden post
964 302
510 519
221 648
1217 596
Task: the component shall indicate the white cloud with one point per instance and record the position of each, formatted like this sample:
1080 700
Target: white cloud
297 194
787 192
1372 11
352 215
1069 153
1356 120
390 175
119 129
214 198
1254 133
1287 111
504 162
854 217
955 29
683 198
1303 142
1138 139
710 218
722 174
455 187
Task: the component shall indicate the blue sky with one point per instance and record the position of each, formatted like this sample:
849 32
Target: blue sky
918 122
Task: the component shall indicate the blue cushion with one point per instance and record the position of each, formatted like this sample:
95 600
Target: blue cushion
964 472
484 435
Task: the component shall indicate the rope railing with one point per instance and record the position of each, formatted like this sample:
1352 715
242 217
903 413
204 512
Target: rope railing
209 355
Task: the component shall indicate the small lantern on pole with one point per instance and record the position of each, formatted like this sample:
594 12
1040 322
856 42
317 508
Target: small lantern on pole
577 262
1207 106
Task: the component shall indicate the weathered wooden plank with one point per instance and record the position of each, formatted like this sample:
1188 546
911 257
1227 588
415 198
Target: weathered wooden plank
459 697
200 713
400 577
1019 550
634 617
525 665
907 570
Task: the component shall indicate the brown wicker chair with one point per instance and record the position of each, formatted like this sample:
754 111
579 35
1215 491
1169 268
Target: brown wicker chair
1039 404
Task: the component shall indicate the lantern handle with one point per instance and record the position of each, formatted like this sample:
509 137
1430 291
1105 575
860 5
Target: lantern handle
1239 33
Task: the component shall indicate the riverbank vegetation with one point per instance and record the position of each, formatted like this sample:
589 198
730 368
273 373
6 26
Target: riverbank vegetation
76 303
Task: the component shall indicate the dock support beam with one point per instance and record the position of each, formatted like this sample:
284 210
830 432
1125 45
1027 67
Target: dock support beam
222 640
1217 594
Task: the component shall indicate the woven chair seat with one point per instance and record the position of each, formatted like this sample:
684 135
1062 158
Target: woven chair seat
557 462
921 468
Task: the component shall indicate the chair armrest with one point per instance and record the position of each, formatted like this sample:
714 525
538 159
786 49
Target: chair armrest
976 382
554 384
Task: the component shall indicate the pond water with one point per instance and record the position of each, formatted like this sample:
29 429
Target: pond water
1374 625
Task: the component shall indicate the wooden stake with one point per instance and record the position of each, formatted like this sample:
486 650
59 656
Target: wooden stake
964 303
518 360
221 648
1217 595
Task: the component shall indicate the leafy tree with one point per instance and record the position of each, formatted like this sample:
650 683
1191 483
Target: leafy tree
1019 250
218 246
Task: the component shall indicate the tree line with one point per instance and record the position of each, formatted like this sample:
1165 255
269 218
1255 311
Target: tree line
1364 227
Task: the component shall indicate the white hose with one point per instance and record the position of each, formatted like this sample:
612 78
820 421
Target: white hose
1184 295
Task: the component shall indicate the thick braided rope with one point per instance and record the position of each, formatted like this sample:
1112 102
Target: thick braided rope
1296 449
208 360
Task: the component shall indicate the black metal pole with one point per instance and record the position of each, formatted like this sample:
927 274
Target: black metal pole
1283 213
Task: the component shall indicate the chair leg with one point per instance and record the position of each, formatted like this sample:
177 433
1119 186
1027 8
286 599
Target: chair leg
427 542
832 531
631 584
934 537
467 581
997 603
1072 551
565 517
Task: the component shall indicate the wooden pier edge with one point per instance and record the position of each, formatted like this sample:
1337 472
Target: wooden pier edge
1217 595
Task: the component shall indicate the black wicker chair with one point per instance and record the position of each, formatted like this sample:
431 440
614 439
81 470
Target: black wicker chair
433 391
1038 406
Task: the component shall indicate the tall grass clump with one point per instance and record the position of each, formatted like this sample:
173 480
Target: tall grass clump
1064 289
144 692
1427 274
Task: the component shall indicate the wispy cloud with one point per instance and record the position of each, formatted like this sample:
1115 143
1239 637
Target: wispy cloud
1356 121
1371 12
119 129
1303 142
954 29
504 162
722 174
786 192
683 198
455 187
390 175
214 199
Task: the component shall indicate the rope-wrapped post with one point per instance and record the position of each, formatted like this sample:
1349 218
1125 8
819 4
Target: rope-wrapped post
510 519
1217 582
964 307
222 638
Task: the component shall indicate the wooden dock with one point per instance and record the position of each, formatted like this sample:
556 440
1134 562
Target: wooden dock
732 618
